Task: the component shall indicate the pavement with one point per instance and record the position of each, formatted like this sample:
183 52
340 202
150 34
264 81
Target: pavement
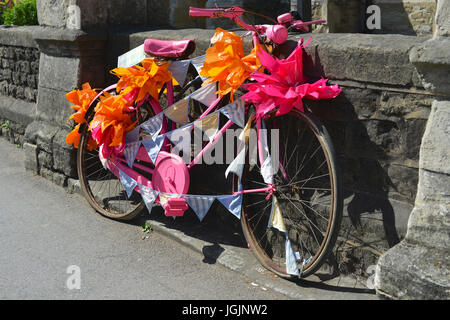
216 246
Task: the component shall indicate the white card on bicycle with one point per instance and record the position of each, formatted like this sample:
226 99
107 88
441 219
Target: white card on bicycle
132 57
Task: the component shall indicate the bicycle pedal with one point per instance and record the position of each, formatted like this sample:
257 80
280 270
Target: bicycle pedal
175 207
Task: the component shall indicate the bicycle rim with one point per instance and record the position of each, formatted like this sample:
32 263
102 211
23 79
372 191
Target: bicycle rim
308 194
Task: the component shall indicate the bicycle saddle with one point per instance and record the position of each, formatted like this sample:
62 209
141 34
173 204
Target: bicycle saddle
169 49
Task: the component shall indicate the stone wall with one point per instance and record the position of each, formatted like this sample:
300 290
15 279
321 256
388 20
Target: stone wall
408 17
19 78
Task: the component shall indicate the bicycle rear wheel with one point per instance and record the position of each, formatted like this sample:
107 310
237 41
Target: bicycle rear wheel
308 193
101 188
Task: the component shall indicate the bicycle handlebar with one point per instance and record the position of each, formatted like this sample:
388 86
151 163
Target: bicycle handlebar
277 33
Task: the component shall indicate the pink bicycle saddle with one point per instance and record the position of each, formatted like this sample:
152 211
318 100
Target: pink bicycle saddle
169 49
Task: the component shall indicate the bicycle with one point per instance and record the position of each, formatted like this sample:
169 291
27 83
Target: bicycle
290 217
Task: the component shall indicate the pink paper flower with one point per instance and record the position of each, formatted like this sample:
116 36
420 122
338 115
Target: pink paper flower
285 86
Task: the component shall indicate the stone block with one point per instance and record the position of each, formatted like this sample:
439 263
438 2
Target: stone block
59 73
52 106
413 272
31 161
435 153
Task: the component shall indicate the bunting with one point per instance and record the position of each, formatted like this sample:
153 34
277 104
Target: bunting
130 152
128 183
178 112
198 62
179 70
153 125
209 125
232 203
148 195
153 147
206 94
200 204
237 165
235 112
181 138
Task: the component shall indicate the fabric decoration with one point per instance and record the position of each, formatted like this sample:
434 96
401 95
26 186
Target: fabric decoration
232 203
291 262
209 125
198 62
153 147
130 152
179 70
206 94
199 204
148 195
237 165
181 138
178 112
128 183
133 135
276 219
153 125
235 112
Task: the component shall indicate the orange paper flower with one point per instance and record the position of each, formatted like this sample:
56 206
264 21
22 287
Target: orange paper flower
81 100
148 79
225 62
112 118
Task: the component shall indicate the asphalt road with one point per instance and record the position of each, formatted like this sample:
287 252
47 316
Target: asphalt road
54 246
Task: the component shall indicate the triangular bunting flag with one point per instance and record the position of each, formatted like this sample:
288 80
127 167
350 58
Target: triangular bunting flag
200 204
291 261
181 138
130 152
153 125
276 219
128 183
133 135
153 147
267 170
148 195
198 62
232 203
179 70
206 94
237 165
178 112
209 125
235 112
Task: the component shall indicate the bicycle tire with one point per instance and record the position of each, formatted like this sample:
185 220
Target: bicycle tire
311 232
102 189
88 160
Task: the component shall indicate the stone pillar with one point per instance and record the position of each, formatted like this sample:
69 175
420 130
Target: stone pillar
69 57
419 266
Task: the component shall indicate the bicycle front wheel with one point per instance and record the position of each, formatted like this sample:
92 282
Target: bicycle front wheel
307 189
